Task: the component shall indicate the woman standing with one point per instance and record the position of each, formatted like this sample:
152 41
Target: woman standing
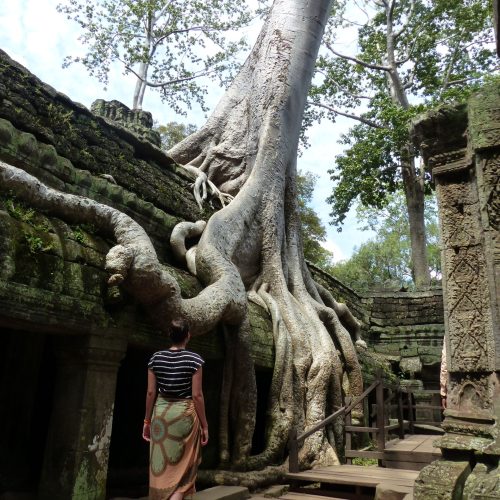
177 425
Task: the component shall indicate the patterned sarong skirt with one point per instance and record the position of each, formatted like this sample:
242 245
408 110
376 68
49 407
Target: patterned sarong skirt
174 449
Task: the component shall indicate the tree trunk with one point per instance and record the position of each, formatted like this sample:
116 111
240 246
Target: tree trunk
250 249
415 201
140 86
413 183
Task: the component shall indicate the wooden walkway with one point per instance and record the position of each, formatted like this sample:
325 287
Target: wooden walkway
413 452
353 482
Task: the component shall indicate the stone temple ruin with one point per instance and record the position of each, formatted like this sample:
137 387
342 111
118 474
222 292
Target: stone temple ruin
74 350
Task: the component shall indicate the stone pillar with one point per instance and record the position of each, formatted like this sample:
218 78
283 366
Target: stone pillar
461 146
77 450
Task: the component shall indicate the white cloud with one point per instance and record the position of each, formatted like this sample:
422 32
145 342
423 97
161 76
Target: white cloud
331 246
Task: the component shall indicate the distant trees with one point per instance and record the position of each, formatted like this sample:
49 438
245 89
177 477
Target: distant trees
313 231
411 55
167 44
385 261
173 132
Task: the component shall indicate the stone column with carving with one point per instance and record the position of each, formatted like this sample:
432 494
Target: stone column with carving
465 168
77 451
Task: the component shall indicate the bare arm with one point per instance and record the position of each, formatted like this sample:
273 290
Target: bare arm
199 404
150 401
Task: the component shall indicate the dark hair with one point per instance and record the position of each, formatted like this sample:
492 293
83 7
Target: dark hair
179 331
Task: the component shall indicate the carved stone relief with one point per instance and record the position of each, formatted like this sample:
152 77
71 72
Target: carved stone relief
470 393
459 207
469 319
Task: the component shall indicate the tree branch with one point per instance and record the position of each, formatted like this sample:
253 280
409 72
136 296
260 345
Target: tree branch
361 119
390 12
465 80
405 25
358 61
164 84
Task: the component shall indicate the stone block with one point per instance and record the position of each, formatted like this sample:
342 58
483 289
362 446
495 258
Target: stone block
483 483
388 491
276 491
443 479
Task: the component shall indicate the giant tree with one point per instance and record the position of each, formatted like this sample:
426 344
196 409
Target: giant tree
167 45
249 250
411 54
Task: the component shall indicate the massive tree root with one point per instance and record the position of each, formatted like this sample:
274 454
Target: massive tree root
248 149
250 249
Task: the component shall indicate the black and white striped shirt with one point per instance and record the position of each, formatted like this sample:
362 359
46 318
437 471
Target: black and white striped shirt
174 371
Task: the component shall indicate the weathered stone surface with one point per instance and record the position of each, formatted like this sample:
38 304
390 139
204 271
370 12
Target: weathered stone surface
442 480
90 142
466 170
483 483
397 325
138 121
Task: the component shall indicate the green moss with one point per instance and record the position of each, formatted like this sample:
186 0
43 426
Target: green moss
366 462
21 212
36 244
79 235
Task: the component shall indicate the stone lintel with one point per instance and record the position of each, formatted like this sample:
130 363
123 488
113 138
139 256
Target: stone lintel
459 165
439 133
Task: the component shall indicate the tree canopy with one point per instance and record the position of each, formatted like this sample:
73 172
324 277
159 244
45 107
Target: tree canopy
411 55
167 45
173 132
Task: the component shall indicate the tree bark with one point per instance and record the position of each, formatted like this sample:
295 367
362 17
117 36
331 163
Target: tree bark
415 201
250 248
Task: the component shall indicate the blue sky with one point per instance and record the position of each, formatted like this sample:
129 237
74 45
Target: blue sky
33 33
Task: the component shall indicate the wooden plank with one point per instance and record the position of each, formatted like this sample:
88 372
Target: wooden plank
416 466
382 474
292 495
395 475
356 476
346 495
346 479
355 428
404 445
410 456
379 455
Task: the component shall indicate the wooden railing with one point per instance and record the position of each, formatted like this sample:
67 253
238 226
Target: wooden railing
378 420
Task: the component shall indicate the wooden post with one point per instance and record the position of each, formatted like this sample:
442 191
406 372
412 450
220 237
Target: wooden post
348 434
401 421
411 418
293 451
380 416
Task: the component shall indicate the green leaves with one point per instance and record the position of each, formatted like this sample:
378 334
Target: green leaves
421 54
173 132
168 44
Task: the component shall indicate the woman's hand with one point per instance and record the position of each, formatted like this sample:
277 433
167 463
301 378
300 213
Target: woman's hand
204 436
146 432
